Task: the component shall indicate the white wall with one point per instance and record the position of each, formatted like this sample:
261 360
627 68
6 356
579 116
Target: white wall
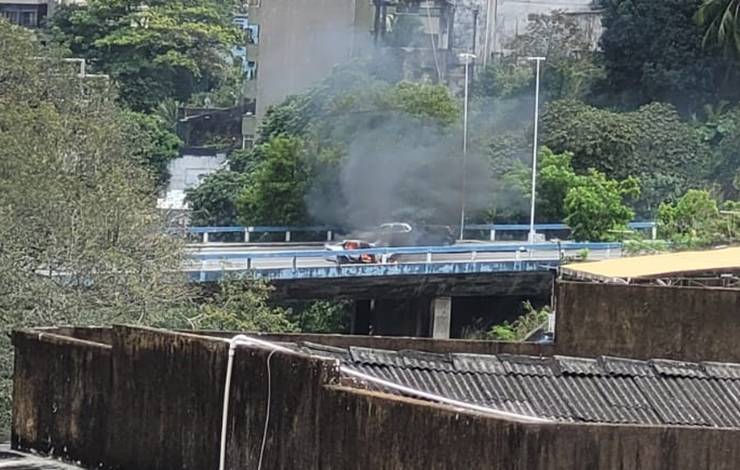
511 16
187 172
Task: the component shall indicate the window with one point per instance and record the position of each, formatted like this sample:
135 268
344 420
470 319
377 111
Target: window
23 15
29 18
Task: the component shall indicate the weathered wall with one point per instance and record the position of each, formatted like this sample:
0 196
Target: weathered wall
400 434
61 396
103 335
166 400
644 322
400 343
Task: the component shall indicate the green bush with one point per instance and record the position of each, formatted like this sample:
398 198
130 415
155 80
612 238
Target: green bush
521 327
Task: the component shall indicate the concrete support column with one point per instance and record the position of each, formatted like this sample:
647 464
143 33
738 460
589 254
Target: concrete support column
362 317
441 316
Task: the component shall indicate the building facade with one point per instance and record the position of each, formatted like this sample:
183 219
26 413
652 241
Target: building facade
30 13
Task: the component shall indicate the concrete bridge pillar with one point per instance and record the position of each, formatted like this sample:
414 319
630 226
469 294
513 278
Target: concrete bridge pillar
441 316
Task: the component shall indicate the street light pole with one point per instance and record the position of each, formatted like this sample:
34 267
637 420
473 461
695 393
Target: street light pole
468 58
532 232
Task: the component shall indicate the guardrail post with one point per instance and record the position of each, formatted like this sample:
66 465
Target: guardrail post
205 237
654 231
287 236
493 235
473 256
246 235
295 262
249 263
329 235
429 256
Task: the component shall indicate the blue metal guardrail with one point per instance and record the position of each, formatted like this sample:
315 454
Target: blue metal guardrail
378 270
248 231
427 267
491 228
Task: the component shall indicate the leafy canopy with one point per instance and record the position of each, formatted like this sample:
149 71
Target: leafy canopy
80 240
241 304
721 22
653 144
155 49
652 51
595 208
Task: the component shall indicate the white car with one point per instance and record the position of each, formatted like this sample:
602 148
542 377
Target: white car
348 245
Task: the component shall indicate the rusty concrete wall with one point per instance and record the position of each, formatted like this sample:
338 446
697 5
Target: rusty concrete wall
644 322
61 396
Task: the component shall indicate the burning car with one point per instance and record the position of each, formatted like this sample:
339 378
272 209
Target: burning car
349 245
390 235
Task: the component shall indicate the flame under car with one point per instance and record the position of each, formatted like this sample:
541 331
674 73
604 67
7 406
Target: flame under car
348 258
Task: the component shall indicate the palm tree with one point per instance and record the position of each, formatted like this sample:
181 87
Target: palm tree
721 20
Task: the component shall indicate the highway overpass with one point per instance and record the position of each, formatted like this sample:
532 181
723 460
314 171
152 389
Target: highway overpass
414 295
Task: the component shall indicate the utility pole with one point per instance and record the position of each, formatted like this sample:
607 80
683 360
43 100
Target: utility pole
532 232
476 12
468 58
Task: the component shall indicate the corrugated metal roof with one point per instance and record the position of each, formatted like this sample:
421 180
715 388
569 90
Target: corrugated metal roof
478 363
678 368
626 367
566 389
720 370
578 366
657 265
528 365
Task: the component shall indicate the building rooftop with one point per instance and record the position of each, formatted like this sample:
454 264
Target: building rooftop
564 389
727 259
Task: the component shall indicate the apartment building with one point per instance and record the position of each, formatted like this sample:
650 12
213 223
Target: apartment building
30 13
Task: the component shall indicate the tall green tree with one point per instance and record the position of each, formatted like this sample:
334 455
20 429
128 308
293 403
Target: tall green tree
668 156
596 208
214 200
652 51
693 220
240 304
721 22
276 194
80 239
156 144
154 49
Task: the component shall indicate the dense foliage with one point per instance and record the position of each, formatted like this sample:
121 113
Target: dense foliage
519 329
294 174
81 240
652 143
698 220
653 51
154 49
